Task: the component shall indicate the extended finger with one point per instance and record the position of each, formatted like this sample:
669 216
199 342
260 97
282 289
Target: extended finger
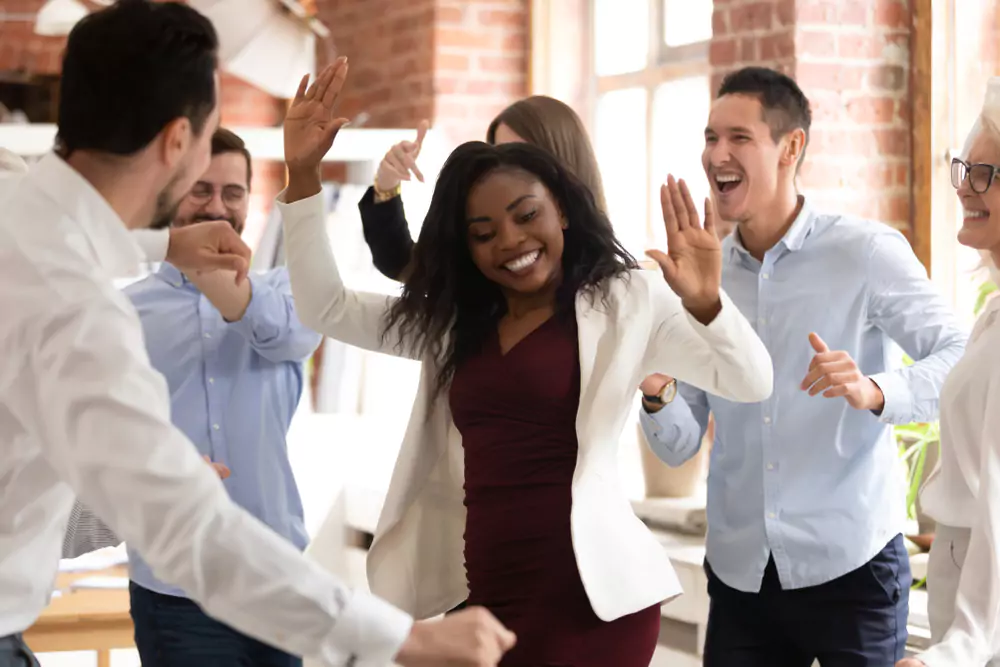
318 86
680 208
689 207
838 390
337 79
667 206
667 265
709 215
421 133
300 94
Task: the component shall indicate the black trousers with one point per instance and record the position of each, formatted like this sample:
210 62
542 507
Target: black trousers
15 653
857 620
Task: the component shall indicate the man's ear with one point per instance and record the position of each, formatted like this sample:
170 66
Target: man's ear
793 145
175 141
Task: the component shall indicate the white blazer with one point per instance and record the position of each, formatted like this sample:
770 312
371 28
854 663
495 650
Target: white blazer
416 560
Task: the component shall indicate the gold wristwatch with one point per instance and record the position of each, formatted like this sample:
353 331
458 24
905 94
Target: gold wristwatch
385 195
666 395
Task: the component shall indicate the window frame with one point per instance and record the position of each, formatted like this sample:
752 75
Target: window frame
663 64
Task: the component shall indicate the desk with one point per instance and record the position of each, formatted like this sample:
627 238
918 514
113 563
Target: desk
84 620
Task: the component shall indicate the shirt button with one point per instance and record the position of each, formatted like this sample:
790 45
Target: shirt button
761 320
770 466
771 515
211 380
215 426
765 276
767 420
208 335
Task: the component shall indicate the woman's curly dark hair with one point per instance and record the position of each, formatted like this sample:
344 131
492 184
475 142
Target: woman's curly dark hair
448 309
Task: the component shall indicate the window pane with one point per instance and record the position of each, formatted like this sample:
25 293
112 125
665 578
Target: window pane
621 36
686 21
680 111
620 142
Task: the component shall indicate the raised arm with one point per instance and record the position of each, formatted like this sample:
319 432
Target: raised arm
322 301
700 337
382 218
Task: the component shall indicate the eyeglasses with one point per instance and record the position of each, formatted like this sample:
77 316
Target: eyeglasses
233 196
980 175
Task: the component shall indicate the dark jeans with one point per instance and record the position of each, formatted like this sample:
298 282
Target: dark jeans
857 620
175 632
15 653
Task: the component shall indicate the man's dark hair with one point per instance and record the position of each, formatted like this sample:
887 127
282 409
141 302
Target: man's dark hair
226 141
131 69
785 106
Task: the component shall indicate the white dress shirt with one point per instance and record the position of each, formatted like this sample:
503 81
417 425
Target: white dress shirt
964 492
83 413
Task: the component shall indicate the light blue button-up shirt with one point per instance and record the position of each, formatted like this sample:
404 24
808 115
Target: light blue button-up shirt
807 479
234 388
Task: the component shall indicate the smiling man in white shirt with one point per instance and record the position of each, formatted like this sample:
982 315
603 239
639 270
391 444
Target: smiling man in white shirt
83 413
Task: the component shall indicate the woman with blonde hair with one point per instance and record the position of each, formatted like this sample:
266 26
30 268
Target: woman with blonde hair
963 493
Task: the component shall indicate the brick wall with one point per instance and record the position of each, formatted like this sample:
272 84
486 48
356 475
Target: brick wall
851 58
453 62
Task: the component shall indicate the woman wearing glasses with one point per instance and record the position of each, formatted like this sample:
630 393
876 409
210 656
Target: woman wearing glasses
963 493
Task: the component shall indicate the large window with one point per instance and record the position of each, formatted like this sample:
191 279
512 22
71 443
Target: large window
964 57
651 95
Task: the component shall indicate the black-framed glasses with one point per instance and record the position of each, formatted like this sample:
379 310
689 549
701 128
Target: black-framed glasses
233 196
980 175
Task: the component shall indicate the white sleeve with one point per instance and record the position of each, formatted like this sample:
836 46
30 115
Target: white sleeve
105 429
153 242
974 636
322 301
725 358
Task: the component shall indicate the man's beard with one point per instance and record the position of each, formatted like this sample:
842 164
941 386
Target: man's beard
165 212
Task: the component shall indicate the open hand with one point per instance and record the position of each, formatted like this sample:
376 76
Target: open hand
208 246
836 374
692 265
910 662
310 124
468 638
401 161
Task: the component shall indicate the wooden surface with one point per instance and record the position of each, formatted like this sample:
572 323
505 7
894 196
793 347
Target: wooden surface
84 620
921 89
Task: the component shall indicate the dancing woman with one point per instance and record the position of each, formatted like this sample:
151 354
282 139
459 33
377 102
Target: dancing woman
534 328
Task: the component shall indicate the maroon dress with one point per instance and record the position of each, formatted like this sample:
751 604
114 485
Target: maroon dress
517 416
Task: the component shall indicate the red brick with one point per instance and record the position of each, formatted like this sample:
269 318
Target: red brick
830 76
451 62
722 52
515 18
777 47
893 14
887 77
816 44
860 46
872 110
720 21
748 50
893 141
450 15
819 12
501 64
854 12
784 13
751 17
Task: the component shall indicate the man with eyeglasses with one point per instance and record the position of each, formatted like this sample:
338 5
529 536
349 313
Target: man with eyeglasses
233 357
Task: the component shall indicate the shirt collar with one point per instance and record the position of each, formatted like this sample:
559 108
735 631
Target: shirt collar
793 239
113 246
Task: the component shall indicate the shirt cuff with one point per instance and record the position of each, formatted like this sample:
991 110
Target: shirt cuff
898 407
370 631
153 243
303 208
957 650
